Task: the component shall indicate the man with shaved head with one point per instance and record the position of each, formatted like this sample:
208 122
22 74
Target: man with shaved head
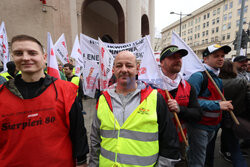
132 125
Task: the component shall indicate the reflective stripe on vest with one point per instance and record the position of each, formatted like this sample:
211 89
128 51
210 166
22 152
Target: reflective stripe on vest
136 141
211 117
6 75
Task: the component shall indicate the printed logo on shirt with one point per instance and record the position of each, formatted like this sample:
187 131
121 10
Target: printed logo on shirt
143 111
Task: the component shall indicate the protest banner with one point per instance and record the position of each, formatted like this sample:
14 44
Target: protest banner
105 65
52 66
4 46
60 49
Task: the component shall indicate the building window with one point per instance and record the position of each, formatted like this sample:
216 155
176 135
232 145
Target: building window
245 9
237 23
224 27
204 25
198 35
225 17
229 15
216 38
213 31
213 21
208 14
229 25
231 5
217 20
223 37
194 36
206 40
204 17
199 19
218 11
212 39
207 23
228 36
238 12
203 41
217 29
206 32
214 12
199 27
225 7
203 33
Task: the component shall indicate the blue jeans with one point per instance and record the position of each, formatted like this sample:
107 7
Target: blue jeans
198 140
230 143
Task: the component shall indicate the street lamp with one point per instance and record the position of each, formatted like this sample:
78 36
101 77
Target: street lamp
180 14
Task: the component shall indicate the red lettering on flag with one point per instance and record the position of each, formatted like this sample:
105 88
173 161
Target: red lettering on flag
79 51
102 50
51 52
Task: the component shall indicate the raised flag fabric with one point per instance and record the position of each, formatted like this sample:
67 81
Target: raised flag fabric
52 65
190 63
105 65
4 46
149 69
90 78
61 50
77 52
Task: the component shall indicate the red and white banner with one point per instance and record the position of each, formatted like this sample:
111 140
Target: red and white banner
190 63
90 78
149 69
4 46
106 65
77 52
60 49
52 66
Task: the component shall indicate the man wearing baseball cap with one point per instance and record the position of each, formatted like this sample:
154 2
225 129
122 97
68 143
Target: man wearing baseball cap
241 64
183 96
201 133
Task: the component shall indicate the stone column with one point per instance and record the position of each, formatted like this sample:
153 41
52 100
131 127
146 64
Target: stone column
152 21
133 20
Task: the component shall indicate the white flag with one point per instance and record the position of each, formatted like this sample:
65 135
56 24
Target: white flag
77 52
78 68
149 69
52 66
190 63
90 78
60 49
4 46
106 65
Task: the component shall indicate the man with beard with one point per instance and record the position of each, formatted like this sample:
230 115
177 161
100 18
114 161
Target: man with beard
241 64
183 96
201 133
132 125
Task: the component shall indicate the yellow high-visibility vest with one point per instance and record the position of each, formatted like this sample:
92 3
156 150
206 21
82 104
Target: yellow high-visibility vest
6 75
133 144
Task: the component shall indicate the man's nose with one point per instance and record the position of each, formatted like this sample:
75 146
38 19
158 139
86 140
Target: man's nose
26 56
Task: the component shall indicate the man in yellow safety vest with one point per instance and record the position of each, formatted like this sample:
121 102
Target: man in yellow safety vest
132 125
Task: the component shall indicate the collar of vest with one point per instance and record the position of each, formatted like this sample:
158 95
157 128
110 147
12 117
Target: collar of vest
144 94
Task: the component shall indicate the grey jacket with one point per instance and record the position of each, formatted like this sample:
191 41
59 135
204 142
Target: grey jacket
123 106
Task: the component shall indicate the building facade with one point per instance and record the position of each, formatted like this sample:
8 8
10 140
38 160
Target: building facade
115 21
215 22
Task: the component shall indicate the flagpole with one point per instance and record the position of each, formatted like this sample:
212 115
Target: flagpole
223 98
178 122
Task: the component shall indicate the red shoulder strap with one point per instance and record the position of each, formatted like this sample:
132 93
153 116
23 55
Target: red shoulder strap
145 92
108 99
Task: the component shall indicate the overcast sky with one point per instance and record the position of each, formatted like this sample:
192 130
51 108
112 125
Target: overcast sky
164 7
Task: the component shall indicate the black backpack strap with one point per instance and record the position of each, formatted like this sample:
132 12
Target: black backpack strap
204 83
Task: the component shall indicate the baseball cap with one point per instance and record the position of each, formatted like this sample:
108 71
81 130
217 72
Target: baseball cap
240 58
170 50
213 48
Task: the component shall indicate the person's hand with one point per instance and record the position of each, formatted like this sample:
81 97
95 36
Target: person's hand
173 106
226 105
82 165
